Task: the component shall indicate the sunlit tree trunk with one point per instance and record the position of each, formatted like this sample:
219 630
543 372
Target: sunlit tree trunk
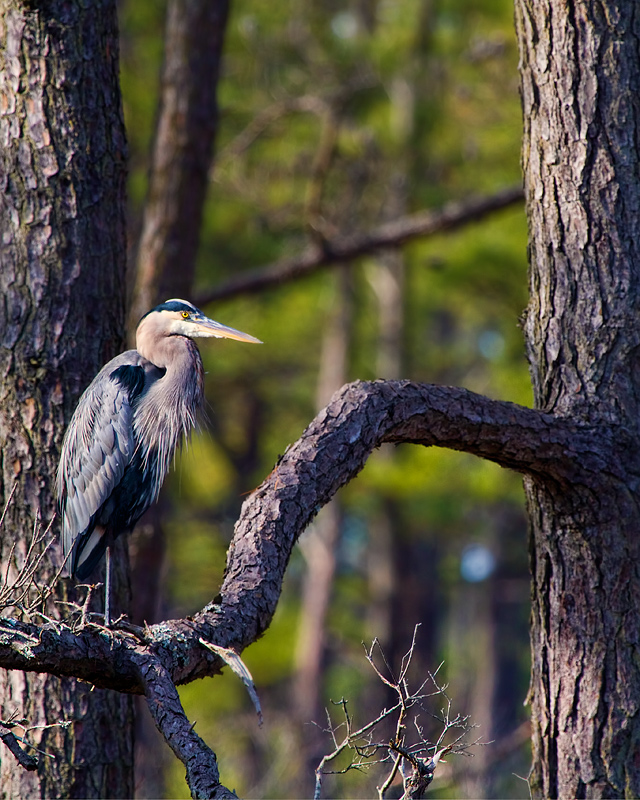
580 71
62 170
319 548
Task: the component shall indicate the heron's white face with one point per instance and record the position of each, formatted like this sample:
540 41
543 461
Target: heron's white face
180 318
194 325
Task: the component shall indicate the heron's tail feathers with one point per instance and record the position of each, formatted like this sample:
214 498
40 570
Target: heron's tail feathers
89 549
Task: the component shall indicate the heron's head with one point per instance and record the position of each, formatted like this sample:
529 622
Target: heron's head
180 318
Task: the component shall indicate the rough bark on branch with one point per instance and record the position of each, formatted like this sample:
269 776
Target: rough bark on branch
331 451
343 249
166 709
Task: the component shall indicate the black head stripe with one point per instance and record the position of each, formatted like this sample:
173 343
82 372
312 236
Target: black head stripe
173 305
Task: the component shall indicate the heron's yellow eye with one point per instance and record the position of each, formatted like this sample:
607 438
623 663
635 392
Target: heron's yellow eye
185 315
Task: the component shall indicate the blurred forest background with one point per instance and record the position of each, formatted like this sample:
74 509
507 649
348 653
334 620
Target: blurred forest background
336 117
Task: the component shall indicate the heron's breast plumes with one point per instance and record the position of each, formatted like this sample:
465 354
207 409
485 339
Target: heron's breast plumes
167 413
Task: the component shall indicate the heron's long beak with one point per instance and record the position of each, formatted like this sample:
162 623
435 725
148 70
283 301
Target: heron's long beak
203 327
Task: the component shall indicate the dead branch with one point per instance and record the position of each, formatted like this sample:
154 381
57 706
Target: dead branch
304 104
341 250
25 760
29 762
410 754
22 590
261 122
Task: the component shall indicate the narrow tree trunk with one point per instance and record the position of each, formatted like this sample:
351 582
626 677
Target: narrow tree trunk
183 148
321 541
62 179
580 69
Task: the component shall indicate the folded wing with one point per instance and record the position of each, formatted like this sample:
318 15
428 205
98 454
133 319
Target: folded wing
97 449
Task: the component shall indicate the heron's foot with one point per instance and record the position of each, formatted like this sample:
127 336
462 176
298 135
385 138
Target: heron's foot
79 614
141 634
122 625
113 623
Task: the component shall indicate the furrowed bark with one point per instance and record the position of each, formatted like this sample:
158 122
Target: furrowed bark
580 69
166 709
62 155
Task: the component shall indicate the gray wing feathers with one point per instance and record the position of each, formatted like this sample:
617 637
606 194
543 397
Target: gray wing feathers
96 450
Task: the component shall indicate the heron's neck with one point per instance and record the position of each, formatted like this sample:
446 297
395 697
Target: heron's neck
179 357
166 352
167 411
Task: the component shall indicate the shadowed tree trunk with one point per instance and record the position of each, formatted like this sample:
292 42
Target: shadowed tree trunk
580 71
62 177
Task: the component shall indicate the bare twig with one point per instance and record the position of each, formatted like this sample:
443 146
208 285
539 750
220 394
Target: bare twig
411 754
14 593
12 741
305 104
260 123
25 760
6 505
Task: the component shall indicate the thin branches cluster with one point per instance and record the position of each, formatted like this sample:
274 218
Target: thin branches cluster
410 754
13 740
20 588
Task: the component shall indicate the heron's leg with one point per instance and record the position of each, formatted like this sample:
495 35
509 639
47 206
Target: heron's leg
107 589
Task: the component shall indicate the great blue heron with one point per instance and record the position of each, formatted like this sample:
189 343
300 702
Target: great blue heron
123 434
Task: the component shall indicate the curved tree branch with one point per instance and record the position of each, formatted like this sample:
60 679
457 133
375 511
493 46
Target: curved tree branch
330 453
343 249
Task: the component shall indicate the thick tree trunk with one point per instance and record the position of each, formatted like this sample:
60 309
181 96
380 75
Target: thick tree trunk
61 316
580 68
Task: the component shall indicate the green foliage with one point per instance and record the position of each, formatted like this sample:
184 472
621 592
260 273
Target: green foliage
141 49
419 103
